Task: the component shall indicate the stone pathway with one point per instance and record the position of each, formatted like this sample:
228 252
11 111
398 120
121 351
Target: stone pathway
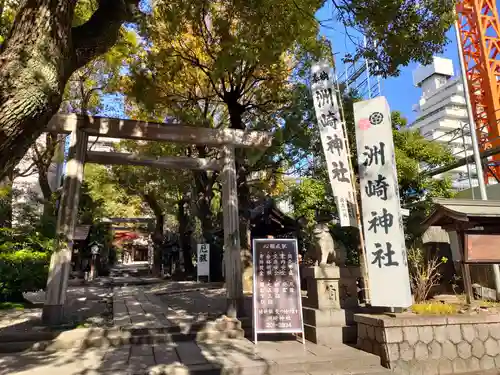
231 357
160 318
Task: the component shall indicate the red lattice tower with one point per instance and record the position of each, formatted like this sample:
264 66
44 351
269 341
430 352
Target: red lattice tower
479 28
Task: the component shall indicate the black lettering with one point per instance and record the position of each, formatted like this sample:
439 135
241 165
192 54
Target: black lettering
374 155
324 97
329 119
380 256
384 221
339 172
377 188
335 143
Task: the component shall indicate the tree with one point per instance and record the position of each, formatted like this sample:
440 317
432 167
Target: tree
160 189
37 59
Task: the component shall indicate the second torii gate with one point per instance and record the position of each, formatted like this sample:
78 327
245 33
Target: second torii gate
80 127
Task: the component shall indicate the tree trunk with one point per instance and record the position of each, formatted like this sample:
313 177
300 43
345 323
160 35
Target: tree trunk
157 235
185 231
38 58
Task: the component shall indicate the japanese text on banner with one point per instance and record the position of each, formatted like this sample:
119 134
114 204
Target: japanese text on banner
382 220
334 143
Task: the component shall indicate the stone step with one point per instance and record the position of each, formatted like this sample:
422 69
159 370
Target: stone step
327 317
103 337
331 335
365 365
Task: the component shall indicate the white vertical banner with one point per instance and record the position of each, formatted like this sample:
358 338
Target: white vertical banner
386 256
203 260
334 142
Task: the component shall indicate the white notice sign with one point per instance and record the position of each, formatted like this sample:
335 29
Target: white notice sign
386 258
203 260
333 141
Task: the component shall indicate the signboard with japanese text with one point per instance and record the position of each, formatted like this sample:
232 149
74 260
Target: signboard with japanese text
482 247
203 260
334 144
277 298
386 258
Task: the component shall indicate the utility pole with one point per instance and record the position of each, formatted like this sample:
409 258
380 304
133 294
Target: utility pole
475 144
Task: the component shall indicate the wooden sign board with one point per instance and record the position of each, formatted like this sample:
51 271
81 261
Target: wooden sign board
277 300
482 248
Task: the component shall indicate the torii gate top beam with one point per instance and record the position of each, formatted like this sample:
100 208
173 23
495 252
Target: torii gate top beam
150 131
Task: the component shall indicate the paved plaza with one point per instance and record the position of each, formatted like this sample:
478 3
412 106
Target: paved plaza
163 327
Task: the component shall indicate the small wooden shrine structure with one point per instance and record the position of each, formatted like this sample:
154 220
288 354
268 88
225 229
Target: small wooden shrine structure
477 224
266 219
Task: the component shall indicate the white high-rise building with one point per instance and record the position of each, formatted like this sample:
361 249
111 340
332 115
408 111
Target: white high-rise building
442 116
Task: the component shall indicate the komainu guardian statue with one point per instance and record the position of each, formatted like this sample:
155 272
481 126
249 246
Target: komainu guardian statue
326 249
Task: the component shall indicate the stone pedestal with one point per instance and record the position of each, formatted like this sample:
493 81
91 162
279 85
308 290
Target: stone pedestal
330 304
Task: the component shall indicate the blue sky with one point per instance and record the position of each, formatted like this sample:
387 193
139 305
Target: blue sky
399 91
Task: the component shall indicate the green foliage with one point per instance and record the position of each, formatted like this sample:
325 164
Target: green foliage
7 13
12 240
309 196
22 271
398 31
114 201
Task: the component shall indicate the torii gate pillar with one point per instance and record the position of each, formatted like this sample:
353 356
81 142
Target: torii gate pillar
232 257
60 263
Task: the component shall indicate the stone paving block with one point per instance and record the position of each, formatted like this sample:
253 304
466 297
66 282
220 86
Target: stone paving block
410 335
421 351
189 353
495 331
445 366
393 335
435 350
468 332
392 352
464 350
406 351
449 350
483 331
473 364
425 334
478 348
141 365
454 333
440 334
141 351
487 363
491 347
123 320
459 365
165 355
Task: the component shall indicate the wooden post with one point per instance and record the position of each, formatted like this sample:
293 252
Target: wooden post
232 256
60 263
469 295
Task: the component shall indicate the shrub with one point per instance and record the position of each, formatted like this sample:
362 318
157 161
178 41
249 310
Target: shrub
424 273
434 308
22 271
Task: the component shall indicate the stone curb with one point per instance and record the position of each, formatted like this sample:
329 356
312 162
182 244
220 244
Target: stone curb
394 320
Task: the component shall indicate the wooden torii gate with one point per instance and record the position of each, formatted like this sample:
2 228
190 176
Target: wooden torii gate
81 127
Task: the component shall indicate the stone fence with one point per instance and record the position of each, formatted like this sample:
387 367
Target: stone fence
411 344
